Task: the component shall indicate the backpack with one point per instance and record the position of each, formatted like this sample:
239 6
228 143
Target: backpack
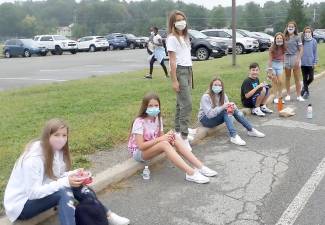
90 212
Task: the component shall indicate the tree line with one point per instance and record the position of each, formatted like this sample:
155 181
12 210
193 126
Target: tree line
96 17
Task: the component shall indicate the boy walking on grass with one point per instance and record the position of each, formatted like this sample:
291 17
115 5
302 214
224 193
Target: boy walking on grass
253 93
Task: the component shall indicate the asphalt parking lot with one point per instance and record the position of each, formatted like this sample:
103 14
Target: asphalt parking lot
23 72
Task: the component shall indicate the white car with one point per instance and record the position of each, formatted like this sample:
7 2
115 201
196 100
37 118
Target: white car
57 44
243 44
93 43
264 35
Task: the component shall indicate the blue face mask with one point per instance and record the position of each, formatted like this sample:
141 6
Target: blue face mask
216 89
153 111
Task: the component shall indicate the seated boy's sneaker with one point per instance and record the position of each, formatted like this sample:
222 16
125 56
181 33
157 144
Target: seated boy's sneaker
300 99
265 109
257 111
115 219
197 177
255 133
287 98
237 140
206 171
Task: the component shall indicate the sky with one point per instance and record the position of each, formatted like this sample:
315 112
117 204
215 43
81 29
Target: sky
211 3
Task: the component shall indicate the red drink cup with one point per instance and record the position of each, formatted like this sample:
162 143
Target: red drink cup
230 109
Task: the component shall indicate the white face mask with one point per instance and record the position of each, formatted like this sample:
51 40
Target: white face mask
291 30
152 33
308 36
180 25
279 42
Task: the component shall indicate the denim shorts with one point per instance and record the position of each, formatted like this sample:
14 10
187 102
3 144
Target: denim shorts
137 156
277 67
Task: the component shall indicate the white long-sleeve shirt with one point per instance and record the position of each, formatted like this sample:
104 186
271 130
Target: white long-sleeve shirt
28 180
206 108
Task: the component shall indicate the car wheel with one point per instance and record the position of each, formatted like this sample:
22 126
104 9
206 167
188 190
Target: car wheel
239 49
92 48
111 47
7 54
202 53
43 54
121 48
53 52
27 53
73 52
58 50
262 50
132 46
105 49
321 41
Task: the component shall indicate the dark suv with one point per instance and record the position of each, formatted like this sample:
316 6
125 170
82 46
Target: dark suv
134 42
23 47
116 41
204 47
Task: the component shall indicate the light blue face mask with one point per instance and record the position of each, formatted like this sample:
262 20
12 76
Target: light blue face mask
153 111
216 89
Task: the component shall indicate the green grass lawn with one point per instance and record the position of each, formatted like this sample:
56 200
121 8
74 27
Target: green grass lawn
100 110
1 50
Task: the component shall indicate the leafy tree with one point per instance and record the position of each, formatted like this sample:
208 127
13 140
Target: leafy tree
296 13
217 17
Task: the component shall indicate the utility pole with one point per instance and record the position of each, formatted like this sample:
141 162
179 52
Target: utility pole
233 22
314 18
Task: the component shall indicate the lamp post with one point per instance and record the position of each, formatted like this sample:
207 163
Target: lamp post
233 25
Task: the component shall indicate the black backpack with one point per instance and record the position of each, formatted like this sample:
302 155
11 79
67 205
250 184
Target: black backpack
90 212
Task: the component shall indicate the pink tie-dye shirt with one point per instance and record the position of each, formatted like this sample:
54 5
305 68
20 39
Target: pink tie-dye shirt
148 128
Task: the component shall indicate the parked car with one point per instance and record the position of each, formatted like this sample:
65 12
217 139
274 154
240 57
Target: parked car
93 43
265 35
243 44
135 42
204 47
23 47
116 41
57 44
263 43
319 36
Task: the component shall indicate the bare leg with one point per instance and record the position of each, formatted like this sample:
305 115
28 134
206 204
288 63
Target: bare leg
297 74
287 81
260 99
171 154
181 148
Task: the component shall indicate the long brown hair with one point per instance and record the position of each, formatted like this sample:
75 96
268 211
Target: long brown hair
303 33
275 48
213 95
286 33
172 29
144 105
50 128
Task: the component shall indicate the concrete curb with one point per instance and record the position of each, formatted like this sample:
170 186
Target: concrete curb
126 169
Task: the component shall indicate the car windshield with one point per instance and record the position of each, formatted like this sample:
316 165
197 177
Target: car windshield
130 36
29 42
197 34
101 38
60 38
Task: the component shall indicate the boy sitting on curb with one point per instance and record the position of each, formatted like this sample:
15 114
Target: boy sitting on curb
253 93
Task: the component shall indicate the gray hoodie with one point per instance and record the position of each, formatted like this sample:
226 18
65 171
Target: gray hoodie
206 108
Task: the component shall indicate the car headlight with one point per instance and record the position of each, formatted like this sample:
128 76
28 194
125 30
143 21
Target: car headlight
213 43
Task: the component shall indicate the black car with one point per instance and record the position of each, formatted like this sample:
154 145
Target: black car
135 42
204 47
264 43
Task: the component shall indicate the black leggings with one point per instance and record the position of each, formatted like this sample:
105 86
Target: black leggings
308 76
152 61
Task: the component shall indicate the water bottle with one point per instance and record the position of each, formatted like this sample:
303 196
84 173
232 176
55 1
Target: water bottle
146 173
309 112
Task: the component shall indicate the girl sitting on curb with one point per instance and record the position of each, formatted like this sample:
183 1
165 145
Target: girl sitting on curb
41 179
148 140
216 109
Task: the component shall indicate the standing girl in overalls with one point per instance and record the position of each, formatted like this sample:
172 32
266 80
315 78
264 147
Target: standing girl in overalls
179 51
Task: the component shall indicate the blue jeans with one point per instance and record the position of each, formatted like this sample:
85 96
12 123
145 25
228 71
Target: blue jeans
224 118
63 199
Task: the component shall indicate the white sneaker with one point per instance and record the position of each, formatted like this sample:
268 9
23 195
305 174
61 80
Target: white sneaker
300 99
237 140
206 171
265 109
287 98
257 111
197 177
115 219
186 141
255 133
